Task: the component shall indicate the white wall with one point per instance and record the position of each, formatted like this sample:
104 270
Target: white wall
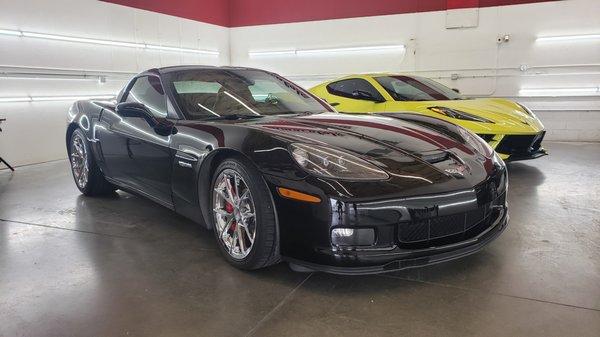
34 131
484 67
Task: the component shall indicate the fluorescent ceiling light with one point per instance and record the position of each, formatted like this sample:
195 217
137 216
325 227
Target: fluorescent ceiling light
271 53
341 50
352 49
52 98
10 32
183 50
68 98
82 40
105 42
587 91
14 99
567 38
61 77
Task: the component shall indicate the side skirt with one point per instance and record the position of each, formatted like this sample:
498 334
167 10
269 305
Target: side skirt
133 190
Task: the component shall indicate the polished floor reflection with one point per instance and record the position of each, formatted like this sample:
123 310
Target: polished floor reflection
72 265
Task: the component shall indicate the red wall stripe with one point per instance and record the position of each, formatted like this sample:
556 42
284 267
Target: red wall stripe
237 13
455 4
261 12
216 12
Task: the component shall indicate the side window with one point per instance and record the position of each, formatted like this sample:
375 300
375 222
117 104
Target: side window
148 91
347 88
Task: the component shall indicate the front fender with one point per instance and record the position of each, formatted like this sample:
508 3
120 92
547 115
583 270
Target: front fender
84 115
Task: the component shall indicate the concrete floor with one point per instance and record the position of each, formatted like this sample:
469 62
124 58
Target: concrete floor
72 265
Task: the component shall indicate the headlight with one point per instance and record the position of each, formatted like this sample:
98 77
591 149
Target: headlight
475 141
526 109
331 163
497 161
453 113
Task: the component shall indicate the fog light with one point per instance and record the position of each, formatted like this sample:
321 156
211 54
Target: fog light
353 236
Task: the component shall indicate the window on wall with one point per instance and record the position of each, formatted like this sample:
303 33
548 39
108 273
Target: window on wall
347 88
148 91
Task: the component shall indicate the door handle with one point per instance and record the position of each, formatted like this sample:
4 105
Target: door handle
334 103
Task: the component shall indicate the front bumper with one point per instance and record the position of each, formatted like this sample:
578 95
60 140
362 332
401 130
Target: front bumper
517 147
409 232
399 259
527 156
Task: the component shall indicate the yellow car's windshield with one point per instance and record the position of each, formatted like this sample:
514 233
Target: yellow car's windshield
408 88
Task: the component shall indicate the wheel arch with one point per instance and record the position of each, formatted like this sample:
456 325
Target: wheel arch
205 174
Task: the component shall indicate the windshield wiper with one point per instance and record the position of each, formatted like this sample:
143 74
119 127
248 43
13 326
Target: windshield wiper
234 117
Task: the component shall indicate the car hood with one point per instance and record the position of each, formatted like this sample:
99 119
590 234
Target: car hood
508 117
366 135
414 154
422 155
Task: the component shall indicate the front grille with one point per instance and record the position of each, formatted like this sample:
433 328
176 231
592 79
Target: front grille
520 144
447 229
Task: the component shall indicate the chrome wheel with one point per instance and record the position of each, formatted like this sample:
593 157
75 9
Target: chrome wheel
79 162
234 213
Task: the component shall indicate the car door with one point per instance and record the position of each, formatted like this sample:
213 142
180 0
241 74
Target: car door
355 95
136 153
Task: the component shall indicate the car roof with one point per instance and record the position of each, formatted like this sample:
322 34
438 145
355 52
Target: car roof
170 69
379 74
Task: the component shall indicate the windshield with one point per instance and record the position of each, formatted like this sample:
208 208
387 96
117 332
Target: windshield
405 88
219 93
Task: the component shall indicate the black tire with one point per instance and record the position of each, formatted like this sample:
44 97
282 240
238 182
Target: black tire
96 184
264 251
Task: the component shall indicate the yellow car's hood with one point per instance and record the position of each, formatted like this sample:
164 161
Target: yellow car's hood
508 117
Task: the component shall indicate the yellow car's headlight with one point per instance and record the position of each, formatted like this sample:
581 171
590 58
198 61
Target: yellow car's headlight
453 113
527 110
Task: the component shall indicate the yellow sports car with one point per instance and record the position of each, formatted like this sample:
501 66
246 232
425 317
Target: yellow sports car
509 127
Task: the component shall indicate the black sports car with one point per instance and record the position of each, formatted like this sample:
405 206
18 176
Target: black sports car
279 175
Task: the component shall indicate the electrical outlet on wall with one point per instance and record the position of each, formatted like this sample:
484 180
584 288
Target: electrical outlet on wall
503 38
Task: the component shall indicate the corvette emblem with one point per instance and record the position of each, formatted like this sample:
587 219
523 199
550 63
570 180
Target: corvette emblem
457 171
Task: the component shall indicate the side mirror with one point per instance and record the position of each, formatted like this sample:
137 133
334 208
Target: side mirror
456 90
367 96
139 110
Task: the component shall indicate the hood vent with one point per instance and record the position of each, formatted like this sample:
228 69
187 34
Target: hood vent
433 157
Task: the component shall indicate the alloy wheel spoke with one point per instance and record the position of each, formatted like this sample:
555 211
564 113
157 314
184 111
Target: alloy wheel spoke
250 237
230 190
232 240
245 195
240 238
223 213
247 216
223 195
226 227
236 185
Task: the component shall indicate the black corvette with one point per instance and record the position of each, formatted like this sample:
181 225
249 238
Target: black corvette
280 176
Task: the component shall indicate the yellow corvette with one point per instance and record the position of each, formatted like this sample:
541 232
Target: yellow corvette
509 127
